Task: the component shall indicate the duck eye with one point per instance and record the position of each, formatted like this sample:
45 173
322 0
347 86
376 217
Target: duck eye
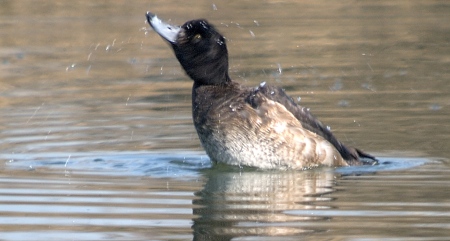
197 36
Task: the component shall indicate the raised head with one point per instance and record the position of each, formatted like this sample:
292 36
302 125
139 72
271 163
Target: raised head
199 47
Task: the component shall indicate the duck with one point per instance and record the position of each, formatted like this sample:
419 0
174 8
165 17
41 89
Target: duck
260 127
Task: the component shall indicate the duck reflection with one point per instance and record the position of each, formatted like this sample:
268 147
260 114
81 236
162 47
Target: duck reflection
253 203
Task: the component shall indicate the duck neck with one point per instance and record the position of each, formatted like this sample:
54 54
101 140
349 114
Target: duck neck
205 69
214 79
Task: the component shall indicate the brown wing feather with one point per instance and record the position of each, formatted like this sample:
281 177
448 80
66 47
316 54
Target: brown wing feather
308 121
306 148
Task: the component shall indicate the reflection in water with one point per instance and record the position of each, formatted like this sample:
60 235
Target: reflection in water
254 203
90 203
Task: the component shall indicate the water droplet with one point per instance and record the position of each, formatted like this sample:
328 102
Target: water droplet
70 67
88 69
251 33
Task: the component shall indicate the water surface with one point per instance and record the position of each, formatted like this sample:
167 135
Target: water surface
97 142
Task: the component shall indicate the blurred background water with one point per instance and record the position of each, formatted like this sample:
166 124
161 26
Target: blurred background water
97 142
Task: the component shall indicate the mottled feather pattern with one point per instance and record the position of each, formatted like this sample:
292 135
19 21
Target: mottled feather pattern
311 123
257 126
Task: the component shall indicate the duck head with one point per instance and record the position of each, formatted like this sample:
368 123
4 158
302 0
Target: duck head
198 46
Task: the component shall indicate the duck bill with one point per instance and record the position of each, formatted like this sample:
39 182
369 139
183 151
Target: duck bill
165 30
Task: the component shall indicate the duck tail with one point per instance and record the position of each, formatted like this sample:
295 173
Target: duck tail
366 159
356 157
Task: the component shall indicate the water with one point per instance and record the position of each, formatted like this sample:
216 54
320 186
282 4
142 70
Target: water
97 141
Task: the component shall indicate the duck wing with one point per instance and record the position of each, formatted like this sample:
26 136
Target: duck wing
352 155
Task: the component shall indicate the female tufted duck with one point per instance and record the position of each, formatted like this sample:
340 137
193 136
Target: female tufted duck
258 127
